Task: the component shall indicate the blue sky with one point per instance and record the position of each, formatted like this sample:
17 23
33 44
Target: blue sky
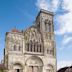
21 14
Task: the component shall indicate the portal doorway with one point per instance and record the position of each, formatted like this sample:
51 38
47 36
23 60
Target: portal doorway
34 64
35 69
18 70
18 67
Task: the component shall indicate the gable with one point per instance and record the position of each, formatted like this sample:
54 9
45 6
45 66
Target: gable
32 34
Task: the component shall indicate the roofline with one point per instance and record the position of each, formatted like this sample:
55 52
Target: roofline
45 11
20 33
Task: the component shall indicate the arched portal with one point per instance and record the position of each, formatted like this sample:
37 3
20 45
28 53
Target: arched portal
17 67
49 68
34 64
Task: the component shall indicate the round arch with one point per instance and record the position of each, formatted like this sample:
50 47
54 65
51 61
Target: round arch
34 64
17 67
34 60
50 68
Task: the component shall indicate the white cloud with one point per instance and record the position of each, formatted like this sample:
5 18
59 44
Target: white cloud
66 19
54 5
63 63
42 4
65 43
50 5
67 5
66 40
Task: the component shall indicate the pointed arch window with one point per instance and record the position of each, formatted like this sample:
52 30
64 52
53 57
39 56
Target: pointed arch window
47 25
19 48
27 47
14 47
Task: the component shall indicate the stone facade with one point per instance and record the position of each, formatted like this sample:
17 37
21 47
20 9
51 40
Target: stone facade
32 50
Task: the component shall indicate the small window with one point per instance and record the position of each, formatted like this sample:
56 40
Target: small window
37 47
17 70
47 25
27 46
47 51
14 47
40 48
51 51
39 25
31 47
19 48
34 48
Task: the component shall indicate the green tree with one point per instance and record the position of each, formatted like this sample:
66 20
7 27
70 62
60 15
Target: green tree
1 70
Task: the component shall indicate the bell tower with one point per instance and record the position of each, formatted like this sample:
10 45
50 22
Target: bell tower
45 24
32 50
44 21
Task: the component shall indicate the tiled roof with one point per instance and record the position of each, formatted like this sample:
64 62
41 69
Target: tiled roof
15 30
2 66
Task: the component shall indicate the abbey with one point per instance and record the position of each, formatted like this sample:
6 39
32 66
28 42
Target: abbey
32 50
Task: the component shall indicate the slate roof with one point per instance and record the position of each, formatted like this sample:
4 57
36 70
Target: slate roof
64 69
